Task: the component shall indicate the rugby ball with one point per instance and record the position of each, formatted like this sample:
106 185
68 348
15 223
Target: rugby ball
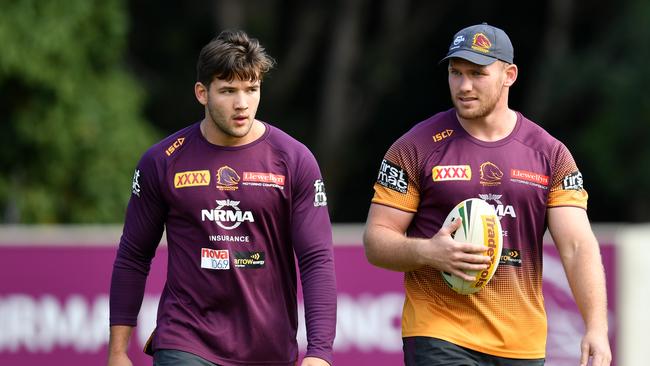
480 225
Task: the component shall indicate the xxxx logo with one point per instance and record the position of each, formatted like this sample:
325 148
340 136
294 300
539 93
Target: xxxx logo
192 178
441 173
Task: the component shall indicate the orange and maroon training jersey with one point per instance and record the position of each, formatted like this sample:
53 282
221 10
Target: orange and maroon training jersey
436 165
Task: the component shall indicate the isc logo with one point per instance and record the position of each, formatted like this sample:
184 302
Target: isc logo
442 135
178 143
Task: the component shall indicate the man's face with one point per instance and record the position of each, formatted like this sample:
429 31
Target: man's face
232 106
476 90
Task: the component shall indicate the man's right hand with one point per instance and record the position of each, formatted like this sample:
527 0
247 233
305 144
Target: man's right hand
119 359
118 344
446 254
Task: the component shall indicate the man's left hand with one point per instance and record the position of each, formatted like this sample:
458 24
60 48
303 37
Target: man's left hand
595 346
314 361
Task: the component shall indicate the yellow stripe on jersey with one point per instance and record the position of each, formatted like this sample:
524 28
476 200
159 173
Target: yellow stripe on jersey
408 201
568 197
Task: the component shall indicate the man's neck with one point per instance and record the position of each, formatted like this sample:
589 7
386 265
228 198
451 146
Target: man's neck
493 127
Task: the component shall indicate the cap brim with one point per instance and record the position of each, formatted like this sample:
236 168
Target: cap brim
470 56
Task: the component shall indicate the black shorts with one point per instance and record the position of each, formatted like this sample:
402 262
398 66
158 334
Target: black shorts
427 351
172 357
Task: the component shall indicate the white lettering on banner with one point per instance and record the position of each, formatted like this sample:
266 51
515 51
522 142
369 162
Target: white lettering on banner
367 323
41 324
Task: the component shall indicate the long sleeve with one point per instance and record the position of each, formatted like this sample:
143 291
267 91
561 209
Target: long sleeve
143 228
312 238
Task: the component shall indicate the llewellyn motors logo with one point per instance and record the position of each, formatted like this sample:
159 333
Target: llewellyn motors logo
530 178
263 179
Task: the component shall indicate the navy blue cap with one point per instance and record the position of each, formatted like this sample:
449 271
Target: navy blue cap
481 44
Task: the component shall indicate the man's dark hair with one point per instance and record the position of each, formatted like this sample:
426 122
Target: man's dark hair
233 55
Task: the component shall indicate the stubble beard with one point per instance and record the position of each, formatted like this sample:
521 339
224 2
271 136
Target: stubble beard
220 122
484 109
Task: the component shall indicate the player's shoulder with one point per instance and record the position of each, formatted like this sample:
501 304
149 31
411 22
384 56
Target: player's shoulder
285 144
174 143
430 133
535 136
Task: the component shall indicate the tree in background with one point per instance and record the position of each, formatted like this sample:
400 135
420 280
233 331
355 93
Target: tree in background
591 90
71 114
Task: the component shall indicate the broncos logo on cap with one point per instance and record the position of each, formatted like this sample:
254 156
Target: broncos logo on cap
227 177
481 43
490 174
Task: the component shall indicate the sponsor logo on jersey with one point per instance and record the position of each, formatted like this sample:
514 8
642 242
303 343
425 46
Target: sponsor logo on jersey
491 237
393 177
135 185
230 238
510 257
442 135
490 174
320 198
481 43
501 209
227 214
173 147
263 179
192 178
573 181
227 178
442 173
252 260
530 178
215 258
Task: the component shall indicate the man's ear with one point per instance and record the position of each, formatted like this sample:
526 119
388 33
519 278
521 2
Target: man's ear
511 74
201 93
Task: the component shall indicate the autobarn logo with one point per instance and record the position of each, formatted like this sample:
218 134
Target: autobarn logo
227 214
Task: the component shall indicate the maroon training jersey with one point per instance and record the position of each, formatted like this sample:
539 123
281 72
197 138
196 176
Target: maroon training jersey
436 165
234 217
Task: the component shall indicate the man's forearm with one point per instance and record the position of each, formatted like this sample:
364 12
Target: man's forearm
387 249
586 276
119 338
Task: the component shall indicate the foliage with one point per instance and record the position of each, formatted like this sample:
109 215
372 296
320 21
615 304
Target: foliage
70 110
601 97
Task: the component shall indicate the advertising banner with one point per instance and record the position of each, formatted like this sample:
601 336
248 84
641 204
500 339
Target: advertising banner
54 307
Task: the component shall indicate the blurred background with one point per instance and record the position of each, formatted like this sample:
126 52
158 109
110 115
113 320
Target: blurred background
87 86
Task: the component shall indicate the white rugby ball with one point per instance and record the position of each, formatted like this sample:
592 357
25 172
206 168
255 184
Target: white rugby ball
480 225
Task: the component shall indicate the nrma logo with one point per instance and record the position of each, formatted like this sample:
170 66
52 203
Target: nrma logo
501 209
227 214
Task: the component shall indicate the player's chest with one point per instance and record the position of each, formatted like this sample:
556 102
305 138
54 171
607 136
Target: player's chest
509 179
231 183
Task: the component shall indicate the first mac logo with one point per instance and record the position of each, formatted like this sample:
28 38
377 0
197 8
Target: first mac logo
393 177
